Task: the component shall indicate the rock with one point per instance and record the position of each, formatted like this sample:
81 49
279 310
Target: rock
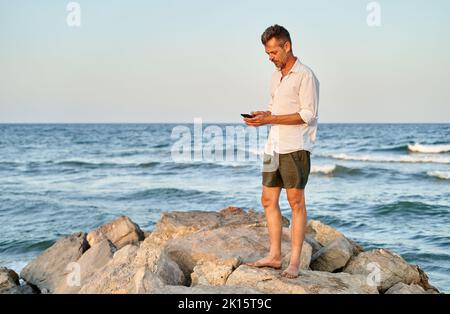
204 252
402 288
8 278
48 270
23 289
156 259
392 268
88 264
120 232
316 246
213 272
325 234
305 257
206 289
135 269
424 283
268 280
116 276
333 256
178 224
10 284
224 248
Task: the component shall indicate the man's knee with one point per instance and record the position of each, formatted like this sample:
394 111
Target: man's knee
297 204
268 202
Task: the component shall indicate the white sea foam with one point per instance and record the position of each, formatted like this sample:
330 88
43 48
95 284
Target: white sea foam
381 158
326 169
432 149
439 174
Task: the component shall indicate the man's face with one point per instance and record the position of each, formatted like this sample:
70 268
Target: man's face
278 53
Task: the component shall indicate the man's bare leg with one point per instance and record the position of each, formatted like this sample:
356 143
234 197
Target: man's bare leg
269 200
296 198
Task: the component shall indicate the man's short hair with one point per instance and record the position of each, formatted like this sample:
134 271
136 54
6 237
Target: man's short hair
277 31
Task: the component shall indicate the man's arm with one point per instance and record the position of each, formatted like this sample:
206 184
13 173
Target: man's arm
309 100
288 119
266 117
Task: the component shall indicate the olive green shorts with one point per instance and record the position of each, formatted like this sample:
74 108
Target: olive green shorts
287 171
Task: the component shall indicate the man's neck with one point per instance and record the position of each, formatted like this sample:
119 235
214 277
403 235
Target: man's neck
289 64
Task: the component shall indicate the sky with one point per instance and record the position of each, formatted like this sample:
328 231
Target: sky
173 61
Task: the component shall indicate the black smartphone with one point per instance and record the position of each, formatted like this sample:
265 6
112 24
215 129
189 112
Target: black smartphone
246 115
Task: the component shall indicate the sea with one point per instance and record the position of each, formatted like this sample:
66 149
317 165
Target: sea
382 185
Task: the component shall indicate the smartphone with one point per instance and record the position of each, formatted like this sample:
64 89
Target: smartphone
246 115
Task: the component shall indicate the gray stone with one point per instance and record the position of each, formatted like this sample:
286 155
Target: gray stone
391 267
333 256
88 264
48 270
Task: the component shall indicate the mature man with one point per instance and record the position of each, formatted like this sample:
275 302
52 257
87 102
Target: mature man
293 115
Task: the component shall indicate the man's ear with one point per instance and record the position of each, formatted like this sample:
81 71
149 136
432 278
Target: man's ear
287 46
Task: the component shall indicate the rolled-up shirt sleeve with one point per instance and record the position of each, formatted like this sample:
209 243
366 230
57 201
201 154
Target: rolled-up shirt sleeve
309 98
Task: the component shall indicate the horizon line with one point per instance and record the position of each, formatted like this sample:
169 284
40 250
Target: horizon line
209 122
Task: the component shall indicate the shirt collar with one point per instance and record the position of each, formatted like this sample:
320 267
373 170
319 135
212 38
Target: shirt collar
295 68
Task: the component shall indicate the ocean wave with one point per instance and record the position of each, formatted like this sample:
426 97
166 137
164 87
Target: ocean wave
411 207
166 193
405 159
334 169
326 169
104 164
431 149
439 174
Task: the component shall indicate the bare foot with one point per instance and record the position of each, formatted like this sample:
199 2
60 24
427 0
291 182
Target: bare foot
266 262
291 272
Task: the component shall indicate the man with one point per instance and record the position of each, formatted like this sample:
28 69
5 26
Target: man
293 115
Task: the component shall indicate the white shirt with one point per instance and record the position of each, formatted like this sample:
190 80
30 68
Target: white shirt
297 92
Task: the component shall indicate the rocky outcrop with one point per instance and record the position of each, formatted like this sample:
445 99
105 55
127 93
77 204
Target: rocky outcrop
49 269
178 224
120 232
207 252
385 269
317 282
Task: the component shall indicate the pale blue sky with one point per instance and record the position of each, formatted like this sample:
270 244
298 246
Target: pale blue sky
171 61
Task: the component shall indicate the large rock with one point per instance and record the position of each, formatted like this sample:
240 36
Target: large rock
178 224
48 270
333 256
116 276
325 234
402 288
8 278
213 254
205 289
305 257
87 265
156 259
120 232
268 280
384 267
134 269
315 245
